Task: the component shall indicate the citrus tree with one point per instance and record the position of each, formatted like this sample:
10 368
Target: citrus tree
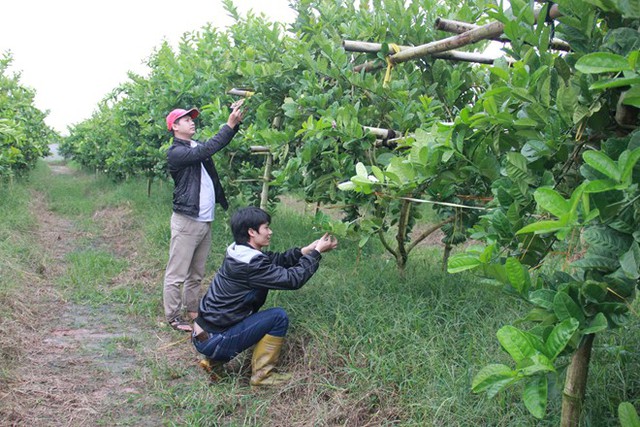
24 137
552 142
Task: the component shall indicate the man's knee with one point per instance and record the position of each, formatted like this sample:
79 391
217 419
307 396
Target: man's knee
280 322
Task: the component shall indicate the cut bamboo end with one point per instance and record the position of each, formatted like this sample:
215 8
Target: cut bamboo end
259 149
241 92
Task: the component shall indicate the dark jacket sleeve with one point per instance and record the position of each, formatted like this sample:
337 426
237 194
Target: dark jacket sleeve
265 274
285 259
180 158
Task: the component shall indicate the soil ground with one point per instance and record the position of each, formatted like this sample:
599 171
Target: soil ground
71 369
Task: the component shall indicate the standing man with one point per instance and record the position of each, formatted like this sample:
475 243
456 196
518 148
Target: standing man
229 319
197 190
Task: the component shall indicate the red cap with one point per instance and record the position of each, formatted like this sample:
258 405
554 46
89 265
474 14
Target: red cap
178 113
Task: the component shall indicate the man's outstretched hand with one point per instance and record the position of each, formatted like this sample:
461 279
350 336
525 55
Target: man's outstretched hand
325 244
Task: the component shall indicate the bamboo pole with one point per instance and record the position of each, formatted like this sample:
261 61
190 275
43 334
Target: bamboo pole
259 149
264 196
266 177
487 31
240 92
382 133
454 55
458 27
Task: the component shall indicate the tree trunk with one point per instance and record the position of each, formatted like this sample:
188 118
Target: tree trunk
403 255
576 383
445 256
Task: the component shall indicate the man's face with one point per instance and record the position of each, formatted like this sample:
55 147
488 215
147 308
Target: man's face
184 127
261 237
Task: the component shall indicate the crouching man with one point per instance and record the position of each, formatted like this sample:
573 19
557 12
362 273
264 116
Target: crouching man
229 320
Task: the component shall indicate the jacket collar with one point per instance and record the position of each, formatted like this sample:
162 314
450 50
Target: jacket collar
177 140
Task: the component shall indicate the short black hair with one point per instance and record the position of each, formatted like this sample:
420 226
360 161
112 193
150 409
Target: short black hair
244 219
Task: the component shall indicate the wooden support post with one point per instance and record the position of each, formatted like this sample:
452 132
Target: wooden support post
266 177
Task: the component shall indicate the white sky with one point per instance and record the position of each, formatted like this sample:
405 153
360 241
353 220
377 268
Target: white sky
74 52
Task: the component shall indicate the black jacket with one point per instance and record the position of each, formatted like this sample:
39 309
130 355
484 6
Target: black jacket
241 285
184 166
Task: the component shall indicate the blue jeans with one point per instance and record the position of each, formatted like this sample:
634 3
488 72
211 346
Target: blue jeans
228 344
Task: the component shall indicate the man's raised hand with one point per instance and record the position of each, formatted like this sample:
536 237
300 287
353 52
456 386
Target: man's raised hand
326 243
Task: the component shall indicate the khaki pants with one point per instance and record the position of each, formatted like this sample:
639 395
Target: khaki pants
188 251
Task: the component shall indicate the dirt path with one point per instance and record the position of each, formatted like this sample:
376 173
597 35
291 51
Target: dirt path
80 365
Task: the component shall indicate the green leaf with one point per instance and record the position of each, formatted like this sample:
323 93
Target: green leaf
377 173
543 298
597 324
560 337
347 186
363 241
593 291
462 262
493 378
602 163
535 396
565 307
518 275
628 415
614 83
542 227
516 343
600 186
632 97
536 364
602 62
361 170
599 262
627 163
551 201
630 262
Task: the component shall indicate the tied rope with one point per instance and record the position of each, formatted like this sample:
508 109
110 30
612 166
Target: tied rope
387 76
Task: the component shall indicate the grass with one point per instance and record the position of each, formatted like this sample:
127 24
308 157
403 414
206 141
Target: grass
366 345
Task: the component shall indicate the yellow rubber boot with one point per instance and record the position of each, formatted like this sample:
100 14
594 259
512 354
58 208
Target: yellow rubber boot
214 368
264 359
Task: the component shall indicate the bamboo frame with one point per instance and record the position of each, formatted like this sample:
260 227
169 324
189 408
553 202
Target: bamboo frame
454 55
487 31
459 27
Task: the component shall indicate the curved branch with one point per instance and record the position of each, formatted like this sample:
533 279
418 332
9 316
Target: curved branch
386 245
428 231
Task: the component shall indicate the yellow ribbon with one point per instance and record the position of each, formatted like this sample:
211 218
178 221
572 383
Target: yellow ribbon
387 76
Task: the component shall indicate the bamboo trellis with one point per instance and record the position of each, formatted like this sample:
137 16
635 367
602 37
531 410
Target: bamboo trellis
459 27
488 31
455 55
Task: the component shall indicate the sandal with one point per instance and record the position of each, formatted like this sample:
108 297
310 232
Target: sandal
181 325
